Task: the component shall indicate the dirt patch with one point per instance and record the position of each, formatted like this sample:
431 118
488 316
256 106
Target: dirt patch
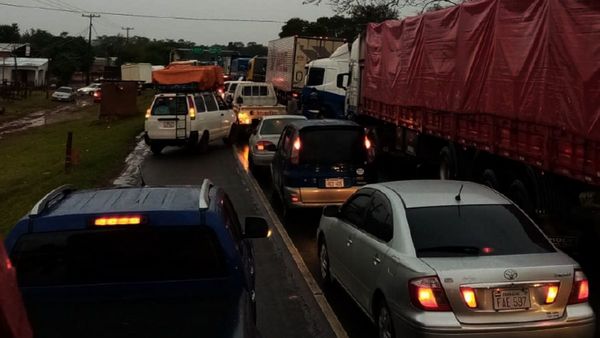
43 117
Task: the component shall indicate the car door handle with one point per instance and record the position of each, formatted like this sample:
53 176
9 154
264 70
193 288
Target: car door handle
349 242
376 259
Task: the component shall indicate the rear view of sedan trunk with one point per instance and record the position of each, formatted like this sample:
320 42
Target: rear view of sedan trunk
493 266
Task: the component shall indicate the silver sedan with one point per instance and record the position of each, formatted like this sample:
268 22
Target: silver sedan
264 139
449 258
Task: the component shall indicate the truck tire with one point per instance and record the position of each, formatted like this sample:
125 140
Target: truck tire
447 166
519 194
489 178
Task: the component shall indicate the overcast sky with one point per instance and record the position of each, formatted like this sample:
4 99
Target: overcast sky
201 32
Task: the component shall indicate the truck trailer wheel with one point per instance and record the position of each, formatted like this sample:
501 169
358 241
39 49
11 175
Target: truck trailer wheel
447 169
489 178
519 194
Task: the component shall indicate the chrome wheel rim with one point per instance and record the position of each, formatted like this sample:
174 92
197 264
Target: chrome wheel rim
384 323
324 262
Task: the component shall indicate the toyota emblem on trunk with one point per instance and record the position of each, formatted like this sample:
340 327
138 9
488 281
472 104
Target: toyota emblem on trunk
510 274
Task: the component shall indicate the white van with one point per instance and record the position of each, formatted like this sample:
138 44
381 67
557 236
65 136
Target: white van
184 119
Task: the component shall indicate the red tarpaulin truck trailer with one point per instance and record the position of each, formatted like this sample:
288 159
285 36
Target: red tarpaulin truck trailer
504 92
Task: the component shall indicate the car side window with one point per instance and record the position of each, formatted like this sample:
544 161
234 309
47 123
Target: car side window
247 91
353 211
263 91
255 90
211 104
285 141
379 221
232 222
200 108
221 103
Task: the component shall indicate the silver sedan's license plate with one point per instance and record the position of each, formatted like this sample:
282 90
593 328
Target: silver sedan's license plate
167 124
511 299
334 183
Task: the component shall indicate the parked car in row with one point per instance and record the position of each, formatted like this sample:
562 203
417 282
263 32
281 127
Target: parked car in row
321 162
264 139
89 89
449 259
192 119
63 94
137 262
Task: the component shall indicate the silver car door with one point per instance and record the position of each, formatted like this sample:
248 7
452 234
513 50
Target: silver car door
370 260
213 117
343 237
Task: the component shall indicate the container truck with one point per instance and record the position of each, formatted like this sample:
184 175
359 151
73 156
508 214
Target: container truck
286 61
321 96
476 92
140 72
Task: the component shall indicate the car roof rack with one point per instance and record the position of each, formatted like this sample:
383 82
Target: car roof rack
204 199
51 198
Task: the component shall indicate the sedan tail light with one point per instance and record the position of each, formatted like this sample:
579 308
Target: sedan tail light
295 155
263 145
428 294
370 150
581 288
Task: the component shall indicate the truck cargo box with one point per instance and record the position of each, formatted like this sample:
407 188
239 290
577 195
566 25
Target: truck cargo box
203 77
516 78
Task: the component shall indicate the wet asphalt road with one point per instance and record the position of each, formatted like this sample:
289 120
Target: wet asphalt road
302 230
285 306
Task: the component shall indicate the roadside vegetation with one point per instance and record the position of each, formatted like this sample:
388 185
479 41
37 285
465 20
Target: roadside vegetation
36 101
33 162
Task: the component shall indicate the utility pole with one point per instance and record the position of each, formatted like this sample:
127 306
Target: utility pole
90 16
127 29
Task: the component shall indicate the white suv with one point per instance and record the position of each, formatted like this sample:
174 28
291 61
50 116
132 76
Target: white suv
187 119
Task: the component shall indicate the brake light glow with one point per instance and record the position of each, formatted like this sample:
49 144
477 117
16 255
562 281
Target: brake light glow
148 113
295 155
192 113
367 143
191 109
117 220
428 294
294 95
370 150
551 294
469 297
581 288
262 145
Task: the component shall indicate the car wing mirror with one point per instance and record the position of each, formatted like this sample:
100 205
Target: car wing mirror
256 227
331 211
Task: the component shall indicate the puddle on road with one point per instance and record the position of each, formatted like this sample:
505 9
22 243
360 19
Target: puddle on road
42 117
242 153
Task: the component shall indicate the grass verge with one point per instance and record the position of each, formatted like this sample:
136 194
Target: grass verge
32 162
18 108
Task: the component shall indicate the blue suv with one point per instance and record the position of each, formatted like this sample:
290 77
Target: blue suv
137 262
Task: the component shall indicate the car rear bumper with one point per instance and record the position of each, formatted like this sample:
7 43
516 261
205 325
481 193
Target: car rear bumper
317 197
581 328
263 159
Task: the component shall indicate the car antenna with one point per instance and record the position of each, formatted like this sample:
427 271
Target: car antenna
457 197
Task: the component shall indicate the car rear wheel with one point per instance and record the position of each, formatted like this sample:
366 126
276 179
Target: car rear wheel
385 326
324 264
156 149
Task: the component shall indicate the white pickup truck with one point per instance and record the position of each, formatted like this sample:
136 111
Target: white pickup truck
251 101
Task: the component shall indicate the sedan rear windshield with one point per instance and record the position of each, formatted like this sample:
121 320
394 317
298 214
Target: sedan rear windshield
172 105
451 231
118 256
275 126
332 146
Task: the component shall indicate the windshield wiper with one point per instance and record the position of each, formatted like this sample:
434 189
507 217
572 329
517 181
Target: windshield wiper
467 250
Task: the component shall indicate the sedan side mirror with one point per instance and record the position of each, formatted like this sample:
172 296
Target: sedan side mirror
256 227
331 211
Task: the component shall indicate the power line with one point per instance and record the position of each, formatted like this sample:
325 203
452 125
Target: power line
145 16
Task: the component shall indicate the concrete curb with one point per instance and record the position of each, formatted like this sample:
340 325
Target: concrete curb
313 286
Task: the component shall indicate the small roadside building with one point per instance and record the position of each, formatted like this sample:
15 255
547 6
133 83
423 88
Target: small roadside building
28 70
